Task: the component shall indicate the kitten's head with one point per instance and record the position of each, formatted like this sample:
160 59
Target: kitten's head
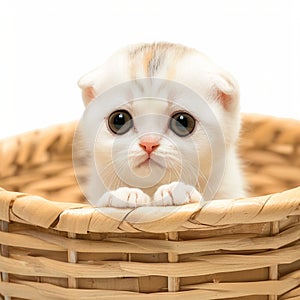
157 113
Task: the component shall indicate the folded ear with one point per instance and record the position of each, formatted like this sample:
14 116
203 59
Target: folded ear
225 90
87 84
88 94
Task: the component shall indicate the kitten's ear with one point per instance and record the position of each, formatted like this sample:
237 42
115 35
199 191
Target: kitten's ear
88 94
225 90
87 85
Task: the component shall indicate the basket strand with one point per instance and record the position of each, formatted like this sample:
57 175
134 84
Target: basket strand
173 282
4 252
72 258
273 270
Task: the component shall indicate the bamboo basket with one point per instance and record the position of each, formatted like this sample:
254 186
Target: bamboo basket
54 246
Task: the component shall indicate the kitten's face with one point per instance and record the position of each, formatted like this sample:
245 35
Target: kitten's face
148 142
157 115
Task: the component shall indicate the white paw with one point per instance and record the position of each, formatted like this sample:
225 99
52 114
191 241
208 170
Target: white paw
176 193
124 197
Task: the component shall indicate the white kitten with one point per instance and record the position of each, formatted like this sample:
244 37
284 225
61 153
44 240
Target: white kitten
160 128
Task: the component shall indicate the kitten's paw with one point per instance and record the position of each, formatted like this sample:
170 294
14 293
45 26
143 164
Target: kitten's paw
176 193
124 197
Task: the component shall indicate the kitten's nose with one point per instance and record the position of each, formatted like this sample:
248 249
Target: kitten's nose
149 143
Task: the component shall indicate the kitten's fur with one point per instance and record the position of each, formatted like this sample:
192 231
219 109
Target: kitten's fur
173 63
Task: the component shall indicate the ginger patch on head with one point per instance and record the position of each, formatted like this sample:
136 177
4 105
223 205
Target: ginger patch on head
146 62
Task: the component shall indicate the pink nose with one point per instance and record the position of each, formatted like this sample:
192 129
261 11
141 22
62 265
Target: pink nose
149 143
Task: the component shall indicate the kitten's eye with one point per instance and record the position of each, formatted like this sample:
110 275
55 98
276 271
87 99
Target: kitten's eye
120 121
182 123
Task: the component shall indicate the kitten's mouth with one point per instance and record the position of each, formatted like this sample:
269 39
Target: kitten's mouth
147 162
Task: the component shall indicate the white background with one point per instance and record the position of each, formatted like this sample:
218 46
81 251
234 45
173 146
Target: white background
47 45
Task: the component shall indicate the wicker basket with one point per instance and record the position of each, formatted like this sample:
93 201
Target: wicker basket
61 248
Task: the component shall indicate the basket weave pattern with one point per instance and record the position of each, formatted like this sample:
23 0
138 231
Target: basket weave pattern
61 248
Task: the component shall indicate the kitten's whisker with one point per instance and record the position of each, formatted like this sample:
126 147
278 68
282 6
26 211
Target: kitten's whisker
109 172
184 171
121 167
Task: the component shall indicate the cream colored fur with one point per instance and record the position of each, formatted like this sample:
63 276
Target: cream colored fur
180 166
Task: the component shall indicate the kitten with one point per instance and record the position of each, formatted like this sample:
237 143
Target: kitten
160 128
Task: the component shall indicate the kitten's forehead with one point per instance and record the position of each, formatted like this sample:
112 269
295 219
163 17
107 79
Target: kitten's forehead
162 97
150 106
155 95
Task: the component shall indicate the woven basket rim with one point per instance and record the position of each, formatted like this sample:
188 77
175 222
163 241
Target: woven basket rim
82 218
